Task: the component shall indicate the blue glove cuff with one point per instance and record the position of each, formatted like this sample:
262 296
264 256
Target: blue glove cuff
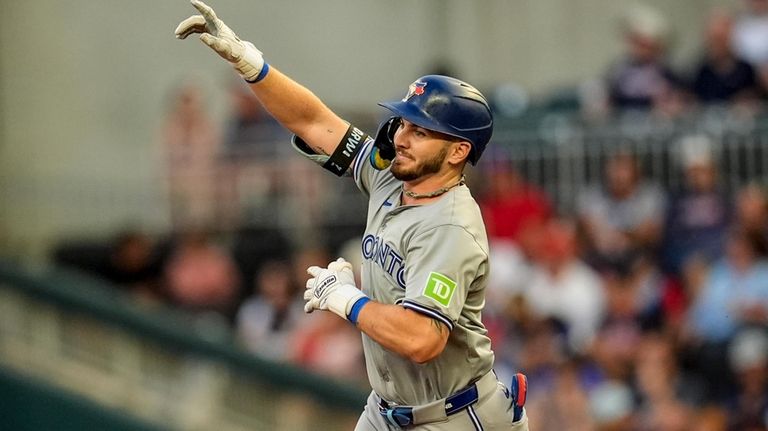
356 307
261 75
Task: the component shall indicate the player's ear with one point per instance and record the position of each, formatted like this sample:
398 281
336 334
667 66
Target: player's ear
459 152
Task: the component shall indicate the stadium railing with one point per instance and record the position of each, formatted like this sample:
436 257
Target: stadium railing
31 405
563 153
153 364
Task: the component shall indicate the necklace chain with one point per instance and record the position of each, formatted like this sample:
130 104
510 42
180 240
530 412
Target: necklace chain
437 192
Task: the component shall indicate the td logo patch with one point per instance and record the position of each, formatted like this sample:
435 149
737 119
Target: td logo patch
440 288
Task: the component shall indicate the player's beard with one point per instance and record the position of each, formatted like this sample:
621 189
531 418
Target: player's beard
426 167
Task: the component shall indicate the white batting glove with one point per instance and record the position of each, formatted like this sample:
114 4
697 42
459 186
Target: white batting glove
333 289
245 58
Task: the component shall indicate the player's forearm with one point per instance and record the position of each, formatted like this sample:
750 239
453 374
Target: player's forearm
300 111
405 332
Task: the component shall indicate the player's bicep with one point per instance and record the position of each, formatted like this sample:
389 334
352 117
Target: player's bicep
431 336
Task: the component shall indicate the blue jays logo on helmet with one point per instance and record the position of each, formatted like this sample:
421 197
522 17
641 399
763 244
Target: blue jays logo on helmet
446 105
415 89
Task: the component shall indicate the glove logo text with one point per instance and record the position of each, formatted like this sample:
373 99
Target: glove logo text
323 285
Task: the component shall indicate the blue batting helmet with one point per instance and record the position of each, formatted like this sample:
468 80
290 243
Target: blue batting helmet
449 106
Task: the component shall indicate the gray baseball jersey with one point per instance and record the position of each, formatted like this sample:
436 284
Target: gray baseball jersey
432 259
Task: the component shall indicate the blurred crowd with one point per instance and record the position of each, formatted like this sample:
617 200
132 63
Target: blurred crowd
645 307
731 66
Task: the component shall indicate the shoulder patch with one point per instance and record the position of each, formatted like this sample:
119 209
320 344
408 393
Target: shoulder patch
440 288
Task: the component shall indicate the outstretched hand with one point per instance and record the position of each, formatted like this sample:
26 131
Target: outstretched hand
218 36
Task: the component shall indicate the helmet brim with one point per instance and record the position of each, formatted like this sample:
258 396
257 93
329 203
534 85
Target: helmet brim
418 117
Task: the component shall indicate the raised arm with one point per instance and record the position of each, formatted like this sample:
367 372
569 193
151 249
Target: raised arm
300 111
290 103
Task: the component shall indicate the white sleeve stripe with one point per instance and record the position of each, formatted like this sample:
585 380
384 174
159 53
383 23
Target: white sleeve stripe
429 312
359 159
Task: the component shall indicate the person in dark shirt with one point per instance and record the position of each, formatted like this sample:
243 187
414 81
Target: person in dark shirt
721 76
699 214
642 79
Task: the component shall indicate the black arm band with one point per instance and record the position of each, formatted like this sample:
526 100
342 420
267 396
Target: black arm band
345 152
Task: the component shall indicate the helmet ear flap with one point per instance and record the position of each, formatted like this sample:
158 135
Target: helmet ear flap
384 144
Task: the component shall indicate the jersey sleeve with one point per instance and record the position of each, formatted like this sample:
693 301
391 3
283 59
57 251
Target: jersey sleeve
441 267
365 175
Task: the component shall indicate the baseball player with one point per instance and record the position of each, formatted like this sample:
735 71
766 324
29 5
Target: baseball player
428 357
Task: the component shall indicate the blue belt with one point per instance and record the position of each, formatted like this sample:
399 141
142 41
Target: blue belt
402 416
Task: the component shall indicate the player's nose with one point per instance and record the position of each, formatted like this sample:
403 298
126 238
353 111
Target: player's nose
400 139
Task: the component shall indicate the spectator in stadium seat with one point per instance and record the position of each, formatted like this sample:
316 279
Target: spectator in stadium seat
509 204
646 290
191 143
748 357
721 76
131 261
250 176
612 406
622 218
200 276
252 246
251 133
642 79
750 34
668 395
752 211
564 288
540 350
135 264
564 405
618 338
699 214
734 294
266 320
